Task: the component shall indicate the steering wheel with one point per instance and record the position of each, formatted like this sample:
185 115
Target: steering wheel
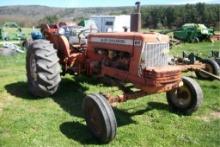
85 32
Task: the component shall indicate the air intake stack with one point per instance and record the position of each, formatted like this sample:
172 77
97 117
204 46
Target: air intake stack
136 18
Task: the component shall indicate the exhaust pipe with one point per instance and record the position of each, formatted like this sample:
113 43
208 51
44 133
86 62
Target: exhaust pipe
136 18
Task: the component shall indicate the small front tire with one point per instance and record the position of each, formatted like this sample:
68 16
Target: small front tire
187 98
99 117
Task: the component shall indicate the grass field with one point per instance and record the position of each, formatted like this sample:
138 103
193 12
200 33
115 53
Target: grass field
26 31
58 120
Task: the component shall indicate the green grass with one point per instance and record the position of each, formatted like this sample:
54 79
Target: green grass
26 31
12 32
202 49
12 35
58 120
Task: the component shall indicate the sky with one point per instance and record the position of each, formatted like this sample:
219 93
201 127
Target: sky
98 3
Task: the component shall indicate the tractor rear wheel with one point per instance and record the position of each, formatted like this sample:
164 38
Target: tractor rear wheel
187 98
43 69
99 117
211 67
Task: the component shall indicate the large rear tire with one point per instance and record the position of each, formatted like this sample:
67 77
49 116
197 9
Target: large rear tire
185 99
43 69
99 117
211 67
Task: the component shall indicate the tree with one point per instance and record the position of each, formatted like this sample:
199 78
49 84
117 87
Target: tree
170 16
201 12
49 19
190 14
52 19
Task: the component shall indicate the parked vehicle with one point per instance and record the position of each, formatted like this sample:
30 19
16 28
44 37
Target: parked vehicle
193 32
107 23
138 58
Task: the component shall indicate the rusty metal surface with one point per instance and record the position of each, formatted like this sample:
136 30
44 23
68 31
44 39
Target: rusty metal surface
158 76
210 74
191 67
124 97
135 23
163 70
155 80
147 90
150 37
70 58
216 37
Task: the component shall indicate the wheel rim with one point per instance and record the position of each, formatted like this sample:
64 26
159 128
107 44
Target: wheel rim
94 119
183 97
33 68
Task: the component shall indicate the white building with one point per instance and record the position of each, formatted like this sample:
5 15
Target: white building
107 23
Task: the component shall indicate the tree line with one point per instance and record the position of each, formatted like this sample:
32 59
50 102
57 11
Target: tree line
155 17
171 17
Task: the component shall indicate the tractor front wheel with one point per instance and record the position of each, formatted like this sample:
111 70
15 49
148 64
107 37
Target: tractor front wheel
99 117
187 98
43 69
211 67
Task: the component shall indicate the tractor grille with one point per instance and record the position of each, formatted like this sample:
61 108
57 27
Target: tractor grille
154 55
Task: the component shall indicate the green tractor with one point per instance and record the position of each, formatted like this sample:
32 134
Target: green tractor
193 33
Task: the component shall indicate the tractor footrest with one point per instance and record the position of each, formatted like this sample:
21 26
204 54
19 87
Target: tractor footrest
158 76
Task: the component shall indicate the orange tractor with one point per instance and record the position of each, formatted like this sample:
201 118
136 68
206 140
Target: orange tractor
129 57
141 59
